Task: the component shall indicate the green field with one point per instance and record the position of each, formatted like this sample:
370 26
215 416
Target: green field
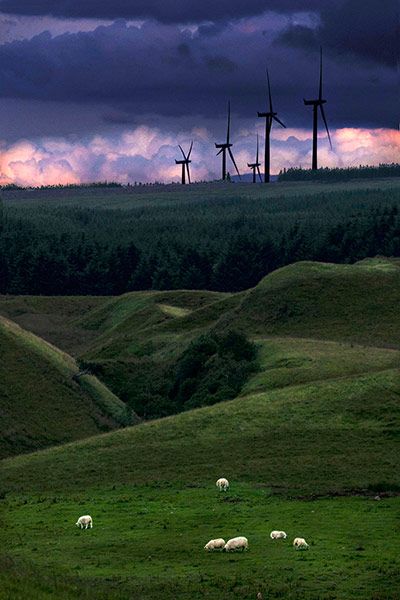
310 446
148 541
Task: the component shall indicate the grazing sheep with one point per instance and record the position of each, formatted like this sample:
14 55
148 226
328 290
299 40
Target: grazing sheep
300 544
237 543
222 484
277 535
84 522
217 544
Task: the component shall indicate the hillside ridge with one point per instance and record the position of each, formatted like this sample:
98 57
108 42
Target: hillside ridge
41 385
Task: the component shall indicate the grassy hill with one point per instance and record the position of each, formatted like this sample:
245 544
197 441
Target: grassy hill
356 303
41 404
343 428
338 302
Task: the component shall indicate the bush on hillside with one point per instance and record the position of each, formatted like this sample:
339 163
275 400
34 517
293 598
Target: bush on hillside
214 368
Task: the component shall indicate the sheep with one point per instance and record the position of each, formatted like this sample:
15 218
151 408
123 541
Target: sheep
84 522
276 535
217 544
222 484
237 543
300 543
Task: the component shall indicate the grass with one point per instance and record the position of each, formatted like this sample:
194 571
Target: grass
292 361
41 404
356 303
174 311
344 429
53 317
147 541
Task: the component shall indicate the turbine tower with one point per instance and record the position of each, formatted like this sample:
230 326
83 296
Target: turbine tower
185 164
226 147
318 103
269 117
255 166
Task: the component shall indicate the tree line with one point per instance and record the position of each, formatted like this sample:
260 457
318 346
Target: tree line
225 246
340 174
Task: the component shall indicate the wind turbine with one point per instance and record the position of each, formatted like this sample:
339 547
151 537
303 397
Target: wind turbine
227 147
185 164
269 117
255 166
319 102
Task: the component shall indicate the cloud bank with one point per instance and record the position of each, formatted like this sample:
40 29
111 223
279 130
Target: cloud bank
147 154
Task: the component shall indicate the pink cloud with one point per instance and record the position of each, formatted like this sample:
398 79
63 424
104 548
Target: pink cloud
148 154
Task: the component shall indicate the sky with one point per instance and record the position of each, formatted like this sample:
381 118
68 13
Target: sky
93 90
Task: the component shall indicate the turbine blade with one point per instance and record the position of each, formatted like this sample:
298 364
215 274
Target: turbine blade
228 133
259 174
234 163
220 152
257 150
279 121
180 147
190 150
326 124
188 172
269 94
320 74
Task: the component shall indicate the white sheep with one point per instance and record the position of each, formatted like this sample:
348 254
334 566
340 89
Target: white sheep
277 535
237 543
84 522
222 484
217 544
300 543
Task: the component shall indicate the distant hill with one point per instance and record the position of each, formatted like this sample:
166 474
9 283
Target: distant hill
41 402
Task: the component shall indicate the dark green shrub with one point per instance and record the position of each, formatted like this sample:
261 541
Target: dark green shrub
214 368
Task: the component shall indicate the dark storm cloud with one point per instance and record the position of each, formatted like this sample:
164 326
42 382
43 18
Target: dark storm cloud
368 29
161 70
166 11
221 64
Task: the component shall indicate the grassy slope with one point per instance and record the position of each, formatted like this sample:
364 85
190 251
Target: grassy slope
344 429
53 318
40 403
133 323
357 303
